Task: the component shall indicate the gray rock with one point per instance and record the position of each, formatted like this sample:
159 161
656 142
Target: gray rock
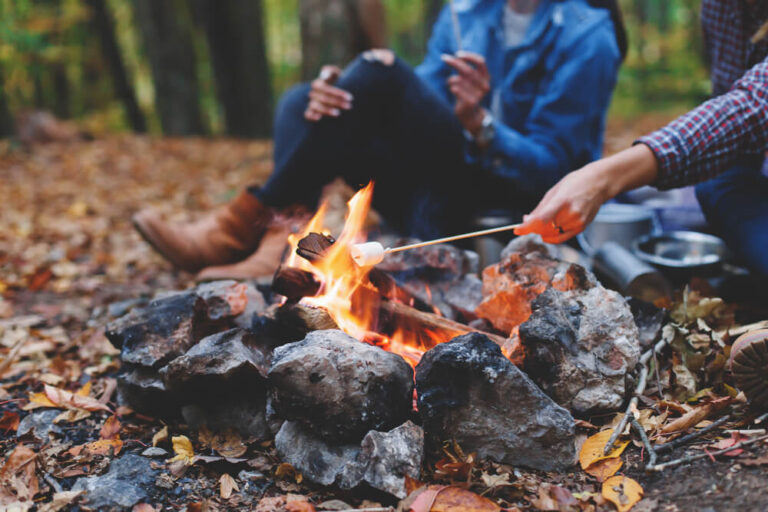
163 330
385 459
241 409
649 320
154 451
581 348
468 391
126 482
144 391
236 354
39 424
381 461
232 300
318 461
339 387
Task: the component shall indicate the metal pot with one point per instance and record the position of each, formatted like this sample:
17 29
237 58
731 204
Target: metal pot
619 223
682 254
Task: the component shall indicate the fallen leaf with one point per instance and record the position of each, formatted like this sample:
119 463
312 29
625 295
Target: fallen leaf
18 473
758 461
111 428
411 484
728 442
299 506
493 481
72 416
592 449
59 501
227 485
66 399
85 390
286 470
623 492
37 400
696 415
160 436
182 447
229 443
104 446
451 499
143 507
9 422
603 469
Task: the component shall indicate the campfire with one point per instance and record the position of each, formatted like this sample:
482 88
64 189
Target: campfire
361 301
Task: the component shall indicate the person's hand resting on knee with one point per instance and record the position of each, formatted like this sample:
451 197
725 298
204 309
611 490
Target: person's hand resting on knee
326 100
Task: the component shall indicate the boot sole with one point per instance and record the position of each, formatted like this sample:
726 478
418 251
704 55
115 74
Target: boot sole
147 235
749 366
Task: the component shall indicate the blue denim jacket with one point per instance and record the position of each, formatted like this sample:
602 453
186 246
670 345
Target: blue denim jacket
555 85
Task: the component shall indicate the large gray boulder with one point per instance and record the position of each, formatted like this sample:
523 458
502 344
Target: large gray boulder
339 387
381 461
127 482
469 392
581 348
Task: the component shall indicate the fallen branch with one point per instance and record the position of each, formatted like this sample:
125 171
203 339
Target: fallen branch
666 447
691 458
644 439
642 382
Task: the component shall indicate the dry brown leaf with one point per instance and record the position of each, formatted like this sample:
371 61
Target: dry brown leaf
72 416
182 447
229 443
451 499
143 507
160 436
9 422
59 501
299 506
37 400
603 469
104 446
623 492
62 398
227 485
696 415
592 449
18 474
285 470
111 428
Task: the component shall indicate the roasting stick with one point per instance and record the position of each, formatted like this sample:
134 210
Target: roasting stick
456 26
372 253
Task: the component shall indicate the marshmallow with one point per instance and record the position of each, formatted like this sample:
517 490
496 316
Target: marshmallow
367 254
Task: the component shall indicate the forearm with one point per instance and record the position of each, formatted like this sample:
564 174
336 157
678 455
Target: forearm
625 170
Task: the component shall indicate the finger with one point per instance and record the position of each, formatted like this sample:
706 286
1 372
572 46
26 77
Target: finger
466 93
476 60
560 237
323 110
329 73
311 115
320 86
467 71
330 101
469 87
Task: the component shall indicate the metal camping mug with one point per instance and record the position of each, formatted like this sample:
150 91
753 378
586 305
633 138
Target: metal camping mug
629 274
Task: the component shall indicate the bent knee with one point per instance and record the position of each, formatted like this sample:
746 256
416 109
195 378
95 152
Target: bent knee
293 101
383 55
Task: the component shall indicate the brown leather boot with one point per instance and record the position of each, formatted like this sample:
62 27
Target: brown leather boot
261 264
227 235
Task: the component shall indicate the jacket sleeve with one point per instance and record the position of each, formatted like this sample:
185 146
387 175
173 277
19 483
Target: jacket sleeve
433 70
706 141
564 128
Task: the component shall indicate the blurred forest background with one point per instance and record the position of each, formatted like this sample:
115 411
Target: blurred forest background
216 67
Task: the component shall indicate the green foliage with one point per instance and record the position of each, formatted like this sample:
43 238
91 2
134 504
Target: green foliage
50 58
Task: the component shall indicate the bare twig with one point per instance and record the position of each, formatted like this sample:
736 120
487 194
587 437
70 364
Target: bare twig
642 382
666 447
644 438
761 418
691 458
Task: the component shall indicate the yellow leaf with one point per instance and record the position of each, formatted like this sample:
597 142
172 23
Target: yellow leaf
182 447
85 390
78 209
38 400
605 468
623 492
161 436
592 449
227 484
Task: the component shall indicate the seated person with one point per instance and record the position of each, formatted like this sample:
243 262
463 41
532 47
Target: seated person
723 141
495 124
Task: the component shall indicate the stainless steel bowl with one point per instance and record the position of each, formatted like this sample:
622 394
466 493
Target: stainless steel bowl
682 253
619 223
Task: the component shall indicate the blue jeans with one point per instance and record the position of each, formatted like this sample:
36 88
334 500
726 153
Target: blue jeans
736 206
400 135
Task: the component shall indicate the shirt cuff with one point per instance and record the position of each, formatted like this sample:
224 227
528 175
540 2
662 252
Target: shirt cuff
670 155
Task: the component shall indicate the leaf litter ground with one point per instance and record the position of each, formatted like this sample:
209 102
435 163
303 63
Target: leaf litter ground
70 261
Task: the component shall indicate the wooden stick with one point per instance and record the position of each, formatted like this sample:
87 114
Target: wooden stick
661 448
691 458
644 439
456 26
453 238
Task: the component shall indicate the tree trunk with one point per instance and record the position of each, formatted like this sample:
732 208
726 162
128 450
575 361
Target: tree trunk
6 120
335 31
235 32
105 28
171 54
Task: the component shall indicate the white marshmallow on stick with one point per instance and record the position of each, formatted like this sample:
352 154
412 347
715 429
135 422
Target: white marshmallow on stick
372 253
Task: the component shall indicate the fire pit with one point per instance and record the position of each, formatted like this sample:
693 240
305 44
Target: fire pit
327 365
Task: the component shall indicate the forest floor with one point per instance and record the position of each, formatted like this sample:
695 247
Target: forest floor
70 261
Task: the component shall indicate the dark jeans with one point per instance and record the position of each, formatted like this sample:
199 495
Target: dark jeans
400 135
736 206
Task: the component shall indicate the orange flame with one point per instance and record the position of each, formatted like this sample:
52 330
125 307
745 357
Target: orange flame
346 293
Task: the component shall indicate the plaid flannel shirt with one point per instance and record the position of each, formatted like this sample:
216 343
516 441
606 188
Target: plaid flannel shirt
706 141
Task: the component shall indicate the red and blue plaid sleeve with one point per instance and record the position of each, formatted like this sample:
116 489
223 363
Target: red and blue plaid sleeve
704 142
